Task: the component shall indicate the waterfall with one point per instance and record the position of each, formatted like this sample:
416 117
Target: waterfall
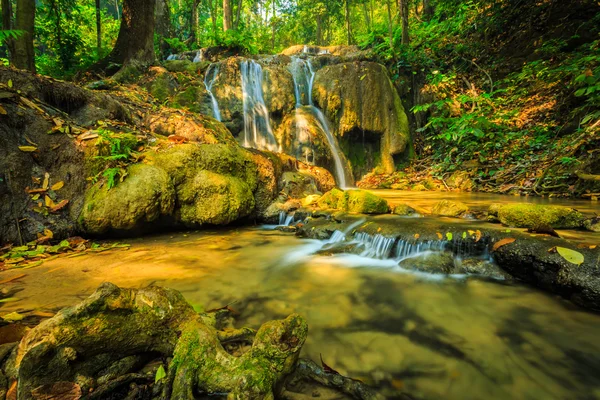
172 57
257 127
285 219
406 249
377 246
199 56
303 74
209 83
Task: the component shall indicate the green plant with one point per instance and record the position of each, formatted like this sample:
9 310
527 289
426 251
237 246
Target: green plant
116 151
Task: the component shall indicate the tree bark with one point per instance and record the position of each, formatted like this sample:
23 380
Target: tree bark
390 26
24 56
319 30
98 29
404 14
194 22
367 16
7 24
238 14
273 20
135 42
227 15
348 25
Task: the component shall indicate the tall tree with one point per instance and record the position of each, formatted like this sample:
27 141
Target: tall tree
164 29
7 24
135 42
24 56
238 14
403 6
98 29
227 15
390 25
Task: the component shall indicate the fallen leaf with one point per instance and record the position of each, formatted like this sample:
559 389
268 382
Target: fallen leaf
3 110
449 236
27 149
177 139
464 235
440 236
572 256
502 242
87 135
160 374
12 391
48 202
57 186
43 314
59 206
36 197
48 232
31 142
57 391
9 300
477 235
417 236
10 83
13 317
46 181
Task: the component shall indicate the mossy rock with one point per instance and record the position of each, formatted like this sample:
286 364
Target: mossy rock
183 66
448 208
215 199
363 202
143 197
354 201
163 86
433 263
331 199
523 215
403 209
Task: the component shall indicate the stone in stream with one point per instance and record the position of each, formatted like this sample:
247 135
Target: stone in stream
525 215
354 201
449 208
431 262
592 224
403 209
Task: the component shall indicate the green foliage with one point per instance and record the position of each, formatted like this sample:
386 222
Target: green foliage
116 150
6 34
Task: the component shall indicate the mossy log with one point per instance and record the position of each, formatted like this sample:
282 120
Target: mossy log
102 346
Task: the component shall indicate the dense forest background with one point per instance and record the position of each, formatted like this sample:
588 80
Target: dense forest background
506 90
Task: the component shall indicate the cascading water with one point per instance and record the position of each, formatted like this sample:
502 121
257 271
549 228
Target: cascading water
377 246
209 80
303 74
285 219
199 56
257 127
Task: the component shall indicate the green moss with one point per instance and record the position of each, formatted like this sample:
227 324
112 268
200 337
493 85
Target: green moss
188 99
354 201
161 88
145 195
403 209
522 215
128 74
331 199
184 66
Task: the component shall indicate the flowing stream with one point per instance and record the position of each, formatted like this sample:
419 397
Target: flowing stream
257 126
430 336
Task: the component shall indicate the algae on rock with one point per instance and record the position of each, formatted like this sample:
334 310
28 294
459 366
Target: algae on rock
524 215
354 201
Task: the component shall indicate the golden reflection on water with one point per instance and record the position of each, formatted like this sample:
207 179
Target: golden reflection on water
449 339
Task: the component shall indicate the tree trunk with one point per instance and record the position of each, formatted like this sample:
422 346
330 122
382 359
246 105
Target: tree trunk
404 13
227 15
163 25
135 42
98 29
273 20
367 16
117 9
194 22
213 16
390 25
24 56
348 26
7 24
238 14
319 30
427 10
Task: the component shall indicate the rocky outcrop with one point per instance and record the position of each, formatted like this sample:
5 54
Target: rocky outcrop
369 118
524 215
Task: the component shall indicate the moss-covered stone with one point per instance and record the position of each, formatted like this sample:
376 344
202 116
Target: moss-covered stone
145 195
403 209
354 201
183 66
448 208
215 199
523 215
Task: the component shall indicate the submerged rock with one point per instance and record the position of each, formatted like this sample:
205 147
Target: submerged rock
431 262
403 209
449 208
524 215
480 266
592 224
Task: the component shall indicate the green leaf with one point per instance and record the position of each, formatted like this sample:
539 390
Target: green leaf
449 235
572 256
12 317
160 374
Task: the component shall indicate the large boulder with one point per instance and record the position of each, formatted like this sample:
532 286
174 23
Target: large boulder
523 215
354 201
369 119
142 198
449 208
430 262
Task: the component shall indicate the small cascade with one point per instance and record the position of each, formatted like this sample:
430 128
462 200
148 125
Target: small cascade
172 57
257 127
407 249
199 56
209 80
285 219
377 246
303 74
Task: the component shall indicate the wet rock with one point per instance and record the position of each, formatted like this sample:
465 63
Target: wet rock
592 224
287 229
297 185
525 215
403 209
478 266
449 208
431 262
366 110
311 200
142 198
354 201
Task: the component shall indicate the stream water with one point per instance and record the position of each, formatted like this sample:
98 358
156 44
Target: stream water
430 337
